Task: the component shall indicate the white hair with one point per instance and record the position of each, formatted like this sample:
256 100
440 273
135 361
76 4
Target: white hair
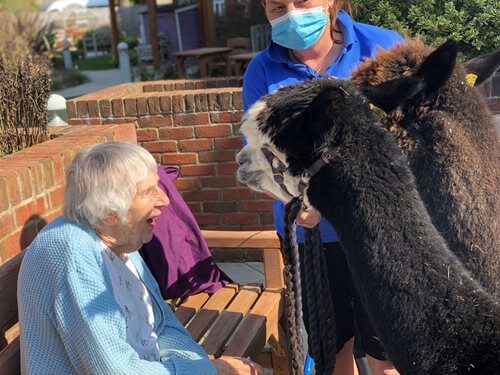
103 179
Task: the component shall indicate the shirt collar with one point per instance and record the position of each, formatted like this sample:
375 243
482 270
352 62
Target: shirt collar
347 28
279 53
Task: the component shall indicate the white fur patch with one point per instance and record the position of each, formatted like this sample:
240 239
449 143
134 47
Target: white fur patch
255 170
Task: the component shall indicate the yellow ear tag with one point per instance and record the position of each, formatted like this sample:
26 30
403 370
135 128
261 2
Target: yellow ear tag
379 111
470 79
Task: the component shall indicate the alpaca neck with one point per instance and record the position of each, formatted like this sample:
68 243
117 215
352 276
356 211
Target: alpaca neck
400 265
367 186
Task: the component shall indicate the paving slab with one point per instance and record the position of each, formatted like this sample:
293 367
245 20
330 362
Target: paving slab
244 272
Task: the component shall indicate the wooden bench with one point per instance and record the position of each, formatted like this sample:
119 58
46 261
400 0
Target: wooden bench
237 320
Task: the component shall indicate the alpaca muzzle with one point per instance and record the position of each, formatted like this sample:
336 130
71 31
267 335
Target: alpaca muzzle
278 168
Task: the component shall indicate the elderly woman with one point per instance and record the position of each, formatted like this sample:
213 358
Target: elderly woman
87 302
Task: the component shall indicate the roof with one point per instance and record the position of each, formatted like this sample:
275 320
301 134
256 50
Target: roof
62 5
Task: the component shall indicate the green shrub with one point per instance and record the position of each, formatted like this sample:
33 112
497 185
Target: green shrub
64 78
474 24
24 80
96 63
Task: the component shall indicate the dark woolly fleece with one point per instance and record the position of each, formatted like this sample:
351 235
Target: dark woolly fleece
448 137
432 317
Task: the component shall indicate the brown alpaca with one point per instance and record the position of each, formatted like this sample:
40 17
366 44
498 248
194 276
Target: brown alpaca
447 134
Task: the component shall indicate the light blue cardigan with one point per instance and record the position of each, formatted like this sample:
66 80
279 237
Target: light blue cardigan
71 323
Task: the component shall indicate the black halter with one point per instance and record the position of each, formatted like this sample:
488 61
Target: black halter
328 156
278 167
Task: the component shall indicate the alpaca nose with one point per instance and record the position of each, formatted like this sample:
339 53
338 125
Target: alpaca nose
242 157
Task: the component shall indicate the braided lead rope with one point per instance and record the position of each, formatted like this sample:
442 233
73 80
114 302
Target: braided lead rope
308 268
330 344
294 337
326 315
321 314
297 280
314 300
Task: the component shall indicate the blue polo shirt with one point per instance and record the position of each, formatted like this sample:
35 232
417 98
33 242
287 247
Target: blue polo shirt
272 69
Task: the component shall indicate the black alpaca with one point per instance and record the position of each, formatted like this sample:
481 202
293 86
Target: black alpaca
448 137
432 317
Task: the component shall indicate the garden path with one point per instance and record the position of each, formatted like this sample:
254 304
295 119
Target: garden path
98 80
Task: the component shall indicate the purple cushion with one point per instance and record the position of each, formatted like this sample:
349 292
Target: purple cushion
177 255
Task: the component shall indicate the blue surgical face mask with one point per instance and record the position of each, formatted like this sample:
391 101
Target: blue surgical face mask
299 29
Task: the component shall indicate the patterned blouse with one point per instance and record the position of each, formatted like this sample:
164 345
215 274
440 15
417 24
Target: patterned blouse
135 302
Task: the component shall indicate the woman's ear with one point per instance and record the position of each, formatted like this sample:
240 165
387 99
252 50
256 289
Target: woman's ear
110 219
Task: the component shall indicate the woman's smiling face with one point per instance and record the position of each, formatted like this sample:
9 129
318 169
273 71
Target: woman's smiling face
139 222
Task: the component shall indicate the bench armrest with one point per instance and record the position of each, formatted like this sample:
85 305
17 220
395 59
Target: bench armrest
266 240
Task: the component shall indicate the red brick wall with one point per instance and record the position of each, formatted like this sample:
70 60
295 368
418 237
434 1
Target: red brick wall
192 124
31 182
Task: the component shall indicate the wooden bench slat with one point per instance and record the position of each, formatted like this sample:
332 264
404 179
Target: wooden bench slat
264 359
10 359
12 333
255 329
211 310
190 307
245 299
229 319
177 301
241 239
174 303
8 296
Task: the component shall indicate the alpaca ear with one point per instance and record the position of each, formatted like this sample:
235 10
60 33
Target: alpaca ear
391 94
320 112
483 66
438 66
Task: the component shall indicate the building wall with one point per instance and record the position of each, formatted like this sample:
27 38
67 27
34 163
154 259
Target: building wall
189 28
189 23
166 25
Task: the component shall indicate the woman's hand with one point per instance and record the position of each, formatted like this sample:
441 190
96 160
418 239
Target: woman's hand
308 218
237 366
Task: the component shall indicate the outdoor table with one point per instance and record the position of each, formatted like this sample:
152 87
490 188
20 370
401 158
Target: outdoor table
203 56
241 60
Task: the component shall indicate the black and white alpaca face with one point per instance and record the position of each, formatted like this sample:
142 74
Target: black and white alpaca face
255 170
295 123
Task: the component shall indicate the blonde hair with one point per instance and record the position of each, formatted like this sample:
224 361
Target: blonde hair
337 7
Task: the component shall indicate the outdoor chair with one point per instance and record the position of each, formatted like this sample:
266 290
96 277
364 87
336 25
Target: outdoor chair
239 45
